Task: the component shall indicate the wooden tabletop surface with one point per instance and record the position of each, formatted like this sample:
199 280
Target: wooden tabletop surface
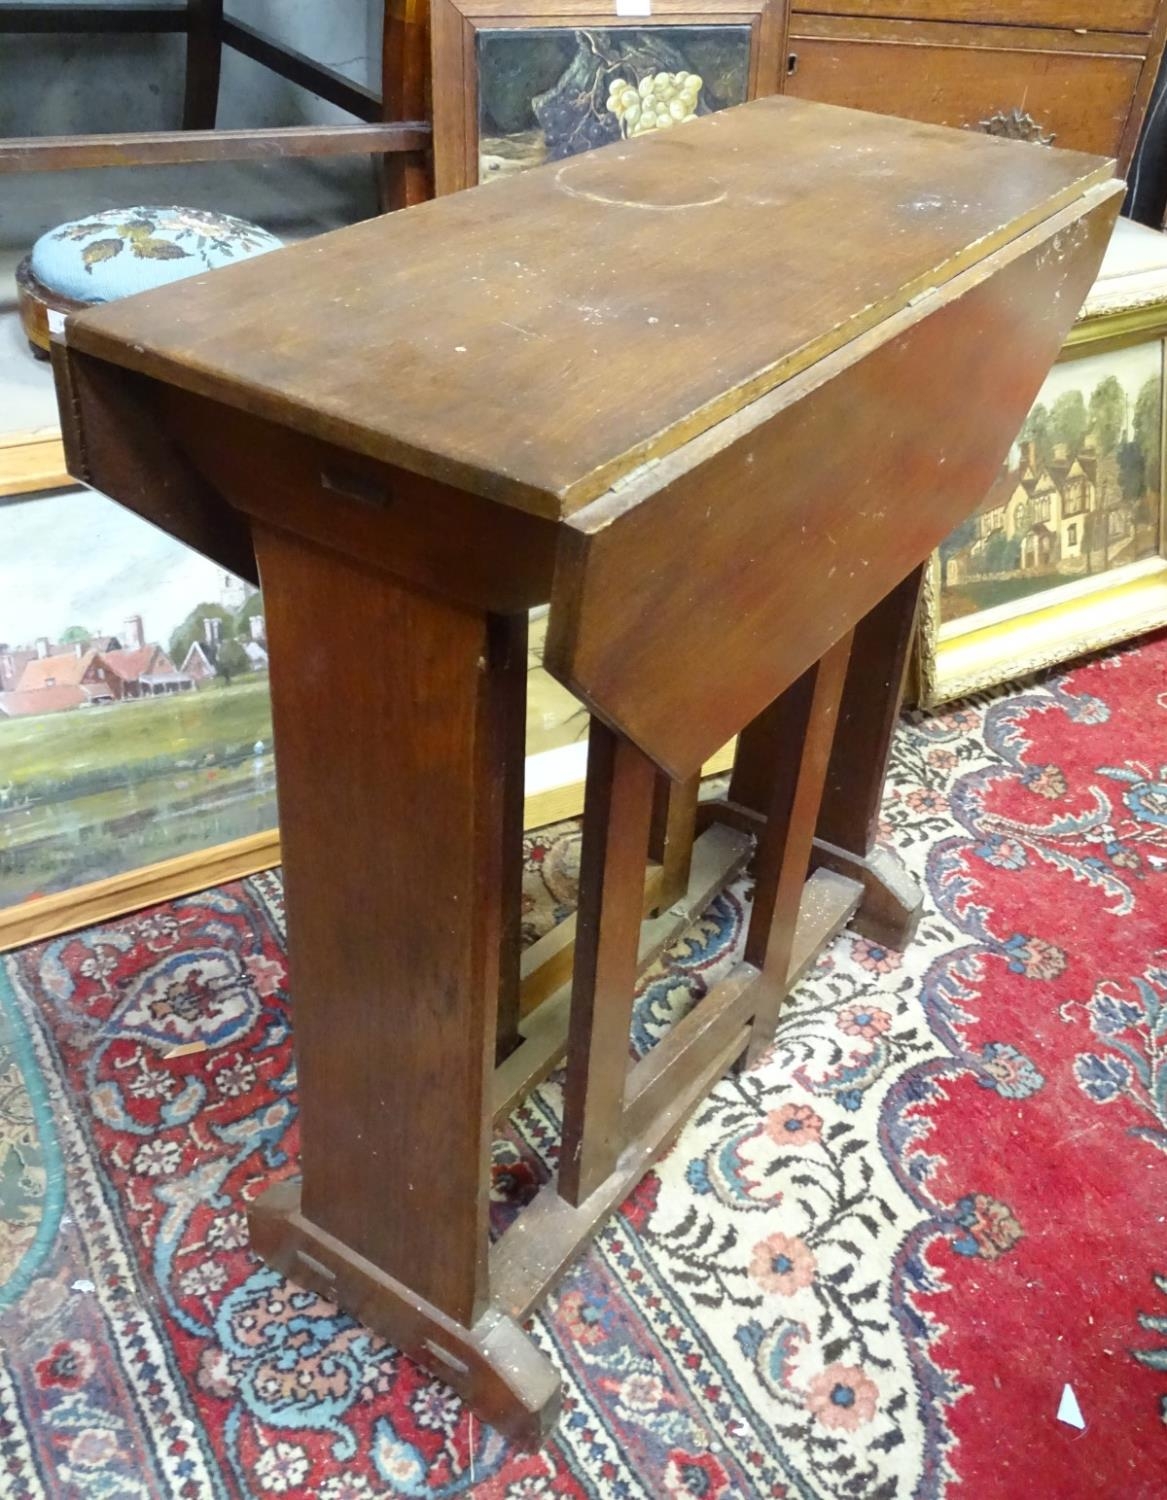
536 339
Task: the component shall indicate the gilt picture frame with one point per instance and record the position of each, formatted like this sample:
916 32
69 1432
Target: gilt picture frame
1067 554
513 87
102 812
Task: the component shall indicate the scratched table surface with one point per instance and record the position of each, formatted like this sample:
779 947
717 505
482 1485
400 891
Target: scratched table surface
536 339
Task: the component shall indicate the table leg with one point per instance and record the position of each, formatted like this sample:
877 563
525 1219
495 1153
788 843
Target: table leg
404 178
796 731
391 739
848 819
845 839
670 839
617 814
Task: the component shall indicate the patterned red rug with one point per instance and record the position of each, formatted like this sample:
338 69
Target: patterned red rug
867 1269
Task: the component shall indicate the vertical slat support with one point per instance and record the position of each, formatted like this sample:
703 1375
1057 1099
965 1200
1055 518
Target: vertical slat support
405 178
796 733
617 813
670 839
509 650
868 713
845 839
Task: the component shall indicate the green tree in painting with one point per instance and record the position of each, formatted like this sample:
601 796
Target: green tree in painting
1001 555
1037 432
1107 415
1069 421
1148 428
193 629
253 605
231 660
75 633
963 536
1132 470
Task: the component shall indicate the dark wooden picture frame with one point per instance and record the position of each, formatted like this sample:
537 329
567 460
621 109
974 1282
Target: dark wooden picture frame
456 25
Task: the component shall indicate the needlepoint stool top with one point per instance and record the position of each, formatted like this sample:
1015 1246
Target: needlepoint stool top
538 339
119 251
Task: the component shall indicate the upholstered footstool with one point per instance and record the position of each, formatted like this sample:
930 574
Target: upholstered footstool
120 251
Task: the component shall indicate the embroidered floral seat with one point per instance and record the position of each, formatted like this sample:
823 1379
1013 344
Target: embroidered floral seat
118 252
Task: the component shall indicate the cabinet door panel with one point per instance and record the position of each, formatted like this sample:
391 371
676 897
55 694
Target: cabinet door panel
1080 99
1117 15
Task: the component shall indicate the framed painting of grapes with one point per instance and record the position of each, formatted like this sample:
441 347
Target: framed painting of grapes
515 91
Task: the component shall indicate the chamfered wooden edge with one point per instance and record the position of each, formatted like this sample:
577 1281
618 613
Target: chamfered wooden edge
101 900
892 903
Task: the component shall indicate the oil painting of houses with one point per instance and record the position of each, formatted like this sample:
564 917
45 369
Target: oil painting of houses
135 723
548 93
1079 497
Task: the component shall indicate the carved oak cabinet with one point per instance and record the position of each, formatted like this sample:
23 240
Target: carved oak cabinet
1074 73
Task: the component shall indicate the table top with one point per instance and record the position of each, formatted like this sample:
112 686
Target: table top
537 339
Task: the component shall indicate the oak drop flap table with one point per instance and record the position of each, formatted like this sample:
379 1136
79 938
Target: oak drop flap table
714 394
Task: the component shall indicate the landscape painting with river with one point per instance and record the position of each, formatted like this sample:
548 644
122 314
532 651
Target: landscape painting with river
548 93
135 723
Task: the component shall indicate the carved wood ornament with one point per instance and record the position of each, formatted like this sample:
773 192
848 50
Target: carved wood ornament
1016 125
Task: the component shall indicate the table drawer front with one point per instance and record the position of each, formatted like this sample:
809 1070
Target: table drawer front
1118 15
1080 99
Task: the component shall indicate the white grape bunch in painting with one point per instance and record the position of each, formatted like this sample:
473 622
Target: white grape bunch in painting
657 102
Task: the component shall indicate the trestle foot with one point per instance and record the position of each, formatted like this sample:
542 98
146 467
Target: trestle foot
892 903
493 1365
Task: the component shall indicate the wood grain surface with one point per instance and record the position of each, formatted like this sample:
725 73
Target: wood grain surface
753 549
381 774
538 339
1076 89
1087 15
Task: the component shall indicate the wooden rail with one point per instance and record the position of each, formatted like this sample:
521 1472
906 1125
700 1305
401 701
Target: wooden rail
60 153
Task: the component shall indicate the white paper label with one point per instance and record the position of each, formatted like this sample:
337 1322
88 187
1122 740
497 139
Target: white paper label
56 320
634 7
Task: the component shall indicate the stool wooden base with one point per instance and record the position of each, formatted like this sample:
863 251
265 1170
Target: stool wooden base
37 305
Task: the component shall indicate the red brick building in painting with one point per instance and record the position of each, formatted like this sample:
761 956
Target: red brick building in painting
49 678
